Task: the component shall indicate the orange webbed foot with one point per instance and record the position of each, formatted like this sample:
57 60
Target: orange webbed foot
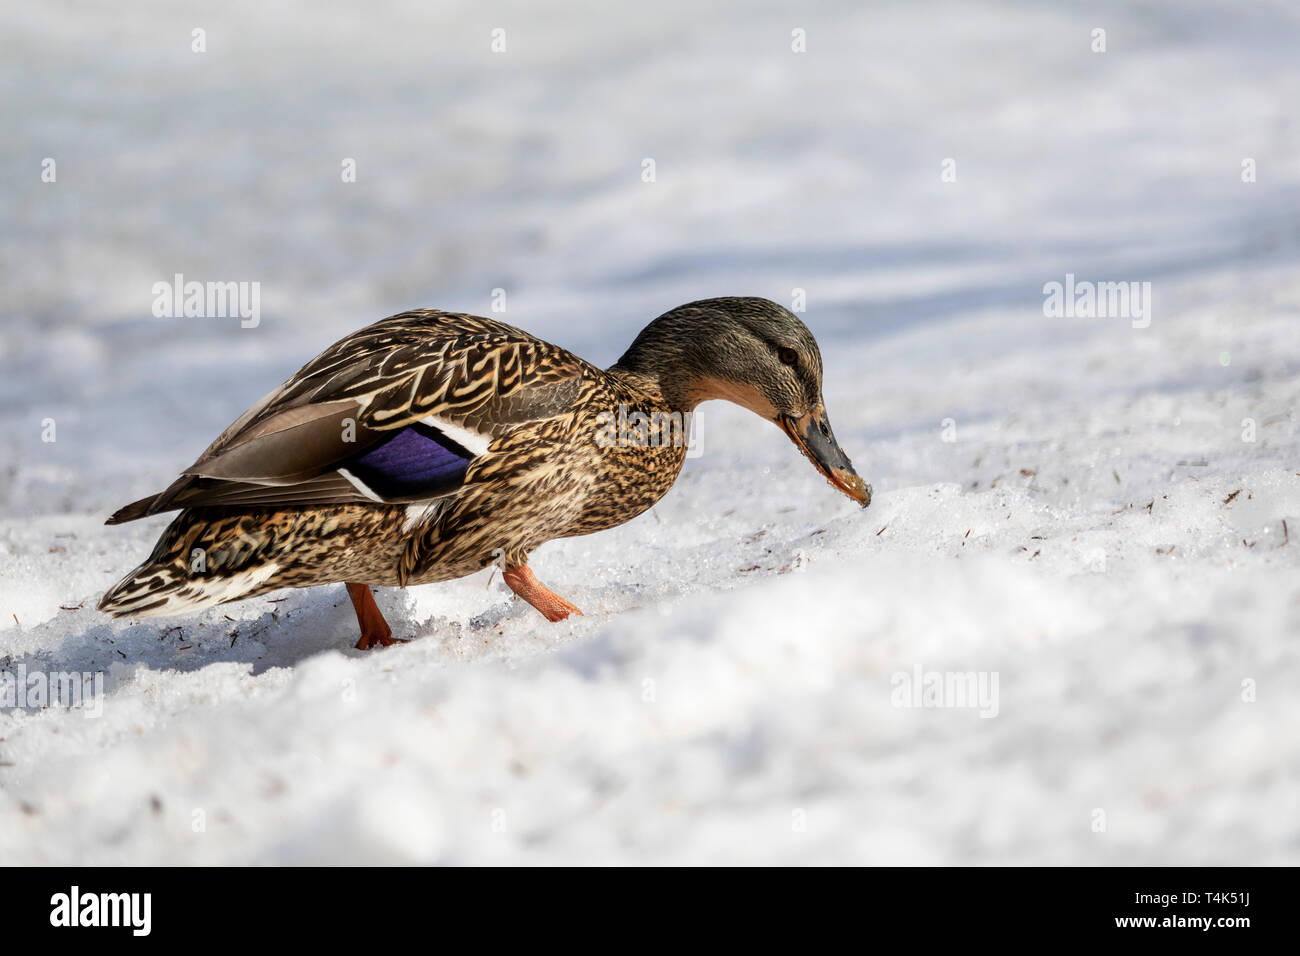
374 629
523 582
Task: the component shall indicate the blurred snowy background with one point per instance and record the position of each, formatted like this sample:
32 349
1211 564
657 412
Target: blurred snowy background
1074 505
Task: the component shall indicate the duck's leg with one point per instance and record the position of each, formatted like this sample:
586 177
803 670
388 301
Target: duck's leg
373 626
523 582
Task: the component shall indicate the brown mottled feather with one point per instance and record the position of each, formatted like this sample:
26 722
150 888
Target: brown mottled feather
543 476
265 507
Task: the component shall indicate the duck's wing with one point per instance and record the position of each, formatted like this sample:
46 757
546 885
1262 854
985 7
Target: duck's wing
397 412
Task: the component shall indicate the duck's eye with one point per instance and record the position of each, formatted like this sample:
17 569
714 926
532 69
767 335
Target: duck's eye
787 356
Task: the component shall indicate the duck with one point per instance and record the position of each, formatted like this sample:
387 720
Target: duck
430 445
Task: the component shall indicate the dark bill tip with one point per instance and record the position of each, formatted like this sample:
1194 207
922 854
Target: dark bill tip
813 436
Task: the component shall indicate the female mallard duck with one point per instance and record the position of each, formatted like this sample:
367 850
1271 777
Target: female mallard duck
431 444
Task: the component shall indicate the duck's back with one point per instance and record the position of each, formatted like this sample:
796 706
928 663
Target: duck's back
414 419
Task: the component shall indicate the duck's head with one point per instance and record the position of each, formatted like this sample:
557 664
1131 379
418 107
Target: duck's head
752 352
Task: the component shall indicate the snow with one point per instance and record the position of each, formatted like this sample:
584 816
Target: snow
1071 505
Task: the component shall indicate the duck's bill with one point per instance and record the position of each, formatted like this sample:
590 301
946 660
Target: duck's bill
812 433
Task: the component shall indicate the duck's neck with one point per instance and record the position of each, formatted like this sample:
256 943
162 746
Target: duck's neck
666 362
674 362
668 392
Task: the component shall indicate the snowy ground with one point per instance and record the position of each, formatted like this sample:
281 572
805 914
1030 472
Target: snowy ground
1106 519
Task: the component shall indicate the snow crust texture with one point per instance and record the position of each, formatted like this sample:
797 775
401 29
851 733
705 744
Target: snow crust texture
1096 519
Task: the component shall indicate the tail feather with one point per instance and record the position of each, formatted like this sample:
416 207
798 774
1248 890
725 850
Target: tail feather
153 590
153 504
210 556
136 509
200 560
